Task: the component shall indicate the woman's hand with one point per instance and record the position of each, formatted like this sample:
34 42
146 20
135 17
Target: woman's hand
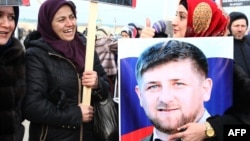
87 112
147 31
90 79
192 132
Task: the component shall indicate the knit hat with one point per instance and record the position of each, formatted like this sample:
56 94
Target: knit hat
163 28
236 16
136 26
135 29
128 30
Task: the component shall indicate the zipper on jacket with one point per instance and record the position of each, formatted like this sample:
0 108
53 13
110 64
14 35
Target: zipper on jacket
59 56
44 133
79 87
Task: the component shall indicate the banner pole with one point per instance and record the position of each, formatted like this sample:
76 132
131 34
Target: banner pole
89 59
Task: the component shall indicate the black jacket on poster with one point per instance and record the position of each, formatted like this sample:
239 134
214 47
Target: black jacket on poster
12 91
150 138
53 94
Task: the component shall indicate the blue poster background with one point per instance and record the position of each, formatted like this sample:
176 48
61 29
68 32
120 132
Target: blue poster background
132 116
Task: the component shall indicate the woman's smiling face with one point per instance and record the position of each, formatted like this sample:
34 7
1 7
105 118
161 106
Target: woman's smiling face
64 23
7 23
180 22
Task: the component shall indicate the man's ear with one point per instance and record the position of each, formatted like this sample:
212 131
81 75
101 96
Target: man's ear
138 92
207 89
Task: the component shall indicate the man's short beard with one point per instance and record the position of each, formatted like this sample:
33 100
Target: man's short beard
171 130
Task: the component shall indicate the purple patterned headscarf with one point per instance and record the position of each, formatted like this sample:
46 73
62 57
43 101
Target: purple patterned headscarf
73 50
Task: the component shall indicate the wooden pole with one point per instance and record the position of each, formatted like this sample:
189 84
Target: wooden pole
86 95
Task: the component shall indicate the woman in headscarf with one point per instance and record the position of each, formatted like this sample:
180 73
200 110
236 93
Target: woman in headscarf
199 18
12 76
195 18
55 59
127 32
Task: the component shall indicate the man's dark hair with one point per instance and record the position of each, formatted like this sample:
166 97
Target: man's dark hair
172 50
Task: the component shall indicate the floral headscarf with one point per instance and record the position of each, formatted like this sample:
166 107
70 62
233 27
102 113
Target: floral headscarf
205 19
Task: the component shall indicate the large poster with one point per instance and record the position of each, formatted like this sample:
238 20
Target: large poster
134 124
15 2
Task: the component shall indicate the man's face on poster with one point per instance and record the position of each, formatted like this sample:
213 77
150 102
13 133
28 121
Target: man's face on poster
173 94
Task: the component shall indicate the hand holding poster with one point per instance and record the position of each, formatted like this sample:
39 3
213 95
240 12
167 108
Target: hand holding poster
136 106
91 37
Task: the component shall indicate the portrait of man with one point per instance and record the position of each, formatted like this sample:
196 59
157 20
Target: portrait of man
167 82
173 85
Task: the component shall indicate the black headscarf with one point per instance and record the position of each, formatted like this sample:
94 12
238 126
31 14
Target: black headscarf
73 50
236 16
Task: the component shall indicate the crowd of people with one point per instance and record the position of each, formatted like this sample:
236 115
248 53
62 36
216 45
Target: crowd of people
42 79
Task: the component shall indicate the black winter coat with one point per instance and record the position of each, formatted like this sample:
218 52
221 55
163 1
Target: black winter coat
150 138
12 90
54 92
242 53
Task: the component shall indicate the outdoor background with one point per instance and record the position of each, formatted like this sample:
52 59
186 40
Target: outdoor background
117 16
